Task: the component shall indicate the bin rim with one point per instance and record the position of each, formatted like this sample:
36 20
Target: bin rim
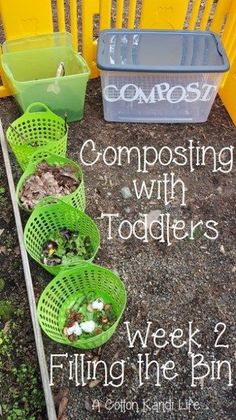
224 67
86 71
11 42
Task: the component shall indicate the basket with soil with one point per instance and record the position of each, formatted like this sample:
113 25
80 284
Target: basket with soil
58 236
82 306
51 175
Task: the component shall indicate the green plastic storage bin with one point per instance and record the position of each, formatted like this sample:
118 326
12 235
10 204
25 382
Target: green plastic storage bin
68 286
52 215
37 129
75 199
31 64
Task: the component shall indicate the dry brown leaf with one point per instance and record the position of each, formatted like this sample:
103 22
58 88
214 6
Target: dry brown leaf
64 417
3 250
62 393
6 327
88 404
62 407
17 250
116 356
95 359
95 383
46 181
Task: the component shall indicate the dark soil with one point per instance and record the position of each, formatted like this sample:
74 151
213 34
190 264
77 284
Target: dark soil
191 280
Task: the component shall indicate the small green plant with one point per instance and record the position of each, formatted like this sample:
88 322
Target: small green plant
6 310
23 396
2 284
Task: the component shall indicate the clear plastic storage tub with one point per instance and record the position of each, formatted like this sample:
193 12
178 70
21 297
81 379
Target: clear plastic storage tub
31 66
159 76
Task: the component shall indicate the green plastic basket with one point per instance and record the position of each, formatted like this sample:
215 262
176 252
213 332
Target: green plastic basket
36 130
51 215
75 199
69 285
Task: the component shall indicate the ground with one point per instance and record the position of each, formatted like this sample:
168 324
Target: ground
191 280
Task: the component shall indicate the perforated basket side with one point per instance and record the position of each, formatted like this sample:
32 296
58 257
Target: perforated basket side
80 280
35 130
47 219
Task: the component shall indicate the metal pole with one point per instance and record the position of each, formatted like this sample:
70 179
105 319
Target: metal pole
29 285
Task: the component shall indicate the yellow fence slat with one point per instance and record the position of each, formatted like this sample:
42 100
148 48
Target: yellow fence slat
132 13
163 14
4 92
228 91
206 14
89 8
221 11
21 19
229 34
26 18
119 13
4 89
74 23
61 15
105 14
194 14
